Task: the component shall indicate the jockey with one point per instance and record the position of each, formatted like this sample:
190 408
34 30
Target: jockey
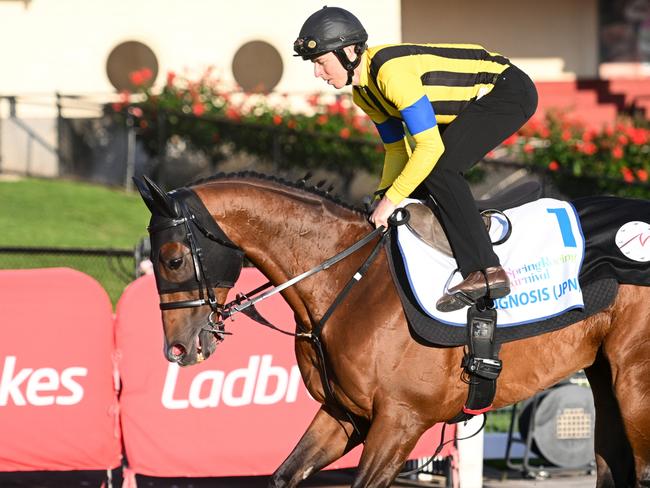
455 101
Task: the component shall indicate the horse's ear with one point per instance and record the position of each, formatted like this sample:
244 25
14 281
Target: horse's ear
161 201
145 194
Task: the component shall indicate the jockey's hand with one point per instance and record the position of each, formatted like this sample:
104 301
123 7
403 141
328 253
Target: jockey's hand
382 211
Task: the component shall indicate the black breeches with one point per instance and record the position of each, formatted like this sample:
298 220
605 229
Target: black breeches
478 129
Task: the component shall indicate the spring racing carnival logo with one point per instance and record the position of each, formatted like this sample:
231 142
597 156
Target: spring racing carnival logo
259 383
39 387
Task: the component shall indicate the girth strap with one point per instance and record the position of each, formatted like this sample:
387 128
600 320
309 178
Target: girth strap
318 327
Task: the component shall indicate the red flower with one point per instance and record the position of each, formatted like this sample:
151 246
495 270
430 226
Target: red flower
357 122
277 119
312 100
136 111
642 175
291 124
344 133
566 135
622 140
336 108
588 136
146 74
117 107
639 136
553 165
136 78
628 176
232 114
511 140
588 148
617 152
322 119
198 109
124 96
171 76
528 148
531 128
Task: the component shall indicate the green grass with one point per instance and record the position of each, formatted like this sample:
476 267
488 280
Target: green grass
499 420
69 214
65 214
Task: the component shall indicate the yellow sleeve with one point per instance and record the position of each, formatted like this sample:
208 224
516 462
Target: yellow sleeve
407 93
427 152
396 152
394 162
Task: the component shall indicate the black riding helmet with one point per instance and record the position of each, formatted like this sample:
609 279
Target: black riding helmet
330 30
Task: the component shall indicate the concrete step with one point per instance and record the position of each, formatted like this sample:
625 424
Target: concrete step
592 117
635 91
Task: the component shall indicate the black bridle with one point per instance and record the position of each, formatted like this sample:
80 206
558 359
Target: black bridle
229 256
218 249
198 260
188 221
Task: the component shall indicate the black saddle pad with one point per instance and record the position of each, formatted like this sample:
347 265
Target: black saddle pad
617 251
617 239
597 296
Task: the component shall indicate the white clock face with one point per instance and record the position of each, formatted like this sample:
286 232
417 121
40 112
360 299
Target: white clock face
633 239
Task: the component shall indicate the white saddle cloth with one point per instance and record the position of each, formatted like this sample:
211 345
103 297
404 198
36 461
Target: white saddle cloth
542 257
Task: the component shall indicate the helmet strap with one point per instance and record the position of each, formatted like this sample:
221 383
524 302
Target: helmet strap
348 65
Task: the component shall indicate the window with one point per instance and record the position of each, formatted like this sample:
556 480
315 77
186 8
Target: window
129 57
257 67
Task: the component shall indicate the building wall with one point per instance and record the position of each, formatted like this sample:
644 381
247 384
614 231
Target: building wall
551 40
48 46
64 44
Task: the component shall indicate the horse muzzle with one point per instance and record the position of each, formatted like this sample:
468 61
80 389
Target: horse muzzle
187 354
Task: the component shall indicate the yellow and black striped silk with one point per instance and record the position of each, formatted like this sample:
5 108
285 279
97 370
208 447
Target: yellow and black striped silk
394 78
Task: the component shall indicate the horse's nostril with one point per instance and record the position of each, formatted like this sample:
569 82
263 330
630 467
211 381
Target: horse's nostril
178 351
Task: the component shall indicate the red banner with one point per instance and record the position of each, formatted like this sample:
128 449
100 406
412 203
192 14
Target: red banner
58 406
241 412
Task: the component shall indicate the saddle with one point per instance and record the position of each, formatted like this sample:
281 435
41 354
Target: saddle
603 269
425 226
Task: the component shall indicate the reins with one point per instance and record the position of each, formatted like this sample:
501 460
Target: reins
244 301
247 306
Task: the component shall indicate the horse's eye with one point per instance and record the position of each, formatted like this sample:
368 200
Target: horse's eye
175 263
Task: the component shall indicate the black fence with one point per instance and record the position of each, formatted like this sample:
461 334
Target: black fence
176 148
112 268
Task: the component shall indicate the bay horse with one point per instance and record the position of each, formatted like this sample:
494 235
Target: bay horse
390 388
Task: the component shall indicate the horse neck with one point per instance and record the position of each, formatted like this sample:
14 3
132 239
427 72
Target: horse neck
285 232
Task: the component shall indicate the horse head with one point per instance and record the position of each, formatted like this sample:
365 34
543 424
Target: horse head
194 264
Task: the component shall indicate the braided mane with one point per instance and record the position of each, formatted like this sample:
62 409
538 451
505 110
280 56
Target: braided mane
301 184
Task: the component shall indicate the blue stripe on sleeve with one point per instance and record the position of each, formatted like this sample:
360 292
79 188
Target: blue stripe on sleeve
419 116
391 130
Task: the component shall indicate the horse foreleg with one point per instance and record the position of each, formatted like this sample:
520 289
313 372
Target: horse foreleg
328 437
390 440
614 460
